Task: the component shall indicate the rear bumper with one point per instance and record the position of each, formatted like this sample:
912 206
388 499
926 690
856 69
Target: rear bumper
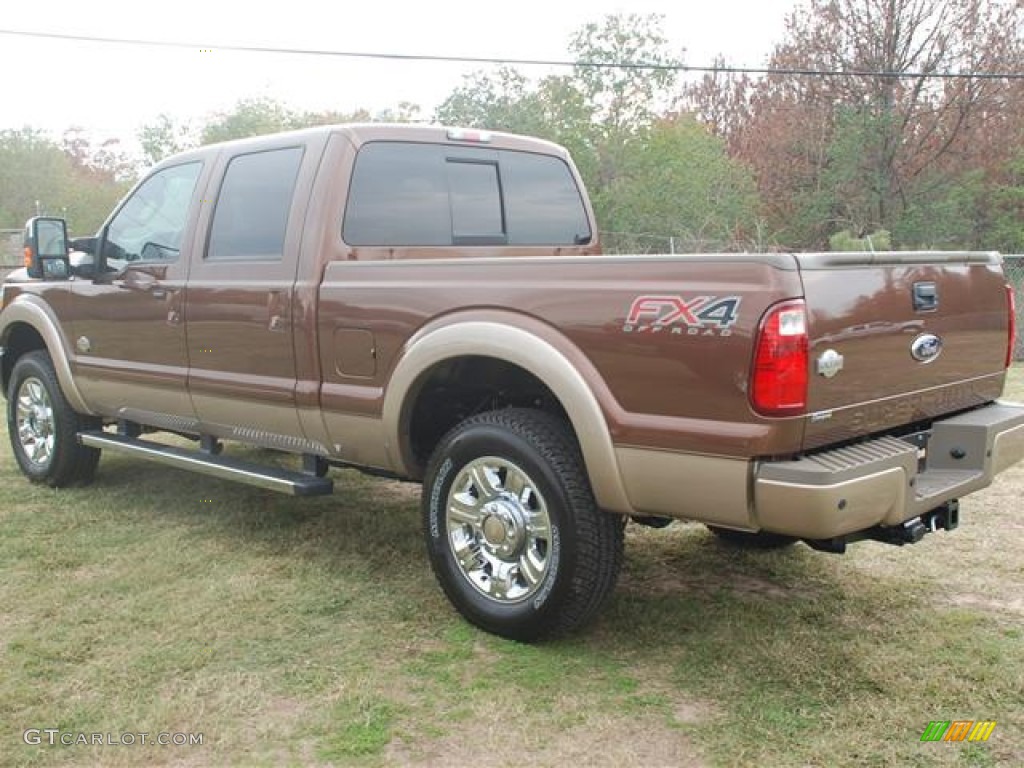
881 482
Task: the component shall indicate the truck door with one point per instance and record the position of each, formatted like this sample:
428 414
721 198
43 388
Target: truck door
129 335
240 297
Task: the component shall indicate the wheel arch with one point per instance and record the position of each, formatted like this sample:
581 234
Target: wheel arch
521 344
28 325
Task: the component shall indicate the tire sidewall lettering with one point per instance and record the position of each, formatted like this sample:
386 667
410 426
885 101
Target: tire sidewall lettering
436 492
553 566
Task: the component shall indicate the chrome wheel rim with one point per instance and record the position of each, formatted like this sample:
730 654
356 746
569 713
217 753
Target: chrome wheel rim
34 422
499 529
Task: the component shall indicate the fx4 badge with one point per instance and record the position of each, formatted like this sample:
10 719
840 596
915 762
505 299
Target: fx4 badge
696 316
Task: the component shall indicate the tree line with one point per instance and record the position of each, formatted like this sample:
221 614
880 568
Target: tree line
878 125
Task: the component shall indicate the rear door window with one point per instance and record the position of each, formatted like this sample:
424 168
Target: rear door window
251 218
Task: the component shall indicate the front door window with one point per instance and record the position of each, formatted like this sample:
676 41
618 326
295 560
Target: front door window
150 225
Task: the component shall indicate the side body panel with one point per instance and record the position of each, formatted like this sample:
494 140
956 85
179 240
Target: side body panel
243 319
129 353
657 387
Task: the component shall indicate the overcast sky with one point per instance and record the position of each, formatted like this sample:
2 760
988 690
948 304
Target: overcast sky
112 90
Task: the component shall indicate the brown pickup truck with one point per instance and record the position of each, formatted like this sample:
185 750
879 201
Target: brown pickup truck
432 304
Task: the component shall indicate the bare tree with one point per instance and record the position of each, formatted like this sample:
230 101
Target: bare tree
872 134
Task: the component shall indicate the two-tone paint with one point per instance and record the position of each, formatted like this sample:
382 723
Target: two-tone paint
325 351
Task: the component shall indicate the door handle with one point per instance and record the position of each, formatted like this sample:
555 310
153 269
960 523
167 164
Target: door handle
158 293
277 310
926 297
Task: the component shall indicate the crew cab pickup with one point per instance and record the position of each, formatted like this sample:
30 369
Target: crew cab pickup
432 304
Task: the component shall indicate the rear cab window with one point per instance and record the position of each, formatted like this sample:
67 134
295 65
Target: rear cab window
407 194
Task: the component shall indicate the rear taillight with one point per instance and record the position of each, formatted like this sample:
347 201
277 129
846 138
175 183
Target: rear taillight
778 385
1011 324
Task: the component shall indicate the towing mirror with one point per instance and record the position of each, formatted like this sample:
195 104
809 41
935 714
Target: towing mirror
46 248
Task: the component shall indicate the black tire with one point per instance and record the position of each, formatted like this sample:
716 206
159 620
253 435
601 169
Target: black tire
56 462
749 540
580 546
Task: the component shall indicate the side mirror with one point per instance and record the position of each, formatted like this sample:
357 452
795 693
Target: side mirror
46 248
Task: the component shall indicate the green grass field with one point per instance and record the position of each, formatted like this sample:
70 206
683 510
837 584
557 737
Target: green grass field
311 632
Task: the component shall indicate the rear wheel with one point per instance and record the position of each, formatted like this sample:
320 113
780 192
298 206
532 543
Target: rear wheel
43 427
750 540
514 535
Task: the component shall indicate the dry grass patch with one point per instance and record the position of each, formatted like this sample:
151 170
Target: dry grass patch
311 632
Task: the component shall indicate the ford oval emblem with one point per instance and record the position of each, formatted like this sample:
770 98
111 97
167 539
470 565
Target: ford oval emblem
926 348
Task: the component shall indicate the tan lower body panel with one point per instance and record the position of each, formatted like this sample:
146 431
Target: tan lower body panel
824 511
1008 449
358 439
878 482
124 399
829 493
687 486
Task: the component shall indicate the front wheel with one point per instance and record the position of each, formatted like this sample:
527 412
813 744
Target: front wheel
513 533
43 427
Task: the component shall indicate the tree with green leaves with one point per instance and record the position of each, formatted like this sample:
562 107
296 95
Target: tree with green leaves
164 137
625 97
601 113
677 189
253 117
76 180
249 117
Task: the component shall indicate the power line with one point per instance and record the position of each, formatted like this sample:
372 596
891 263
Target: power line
628 65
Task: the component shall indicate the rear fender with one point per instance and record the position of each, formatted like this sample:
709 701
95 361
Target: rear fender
539 350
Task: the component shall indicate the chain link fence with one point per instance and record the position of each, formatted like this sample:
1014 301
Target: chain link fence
634 242
10 250
10 245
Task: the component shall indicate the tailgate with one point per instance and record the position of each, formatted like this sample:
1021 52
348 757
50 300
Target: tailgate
898 338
